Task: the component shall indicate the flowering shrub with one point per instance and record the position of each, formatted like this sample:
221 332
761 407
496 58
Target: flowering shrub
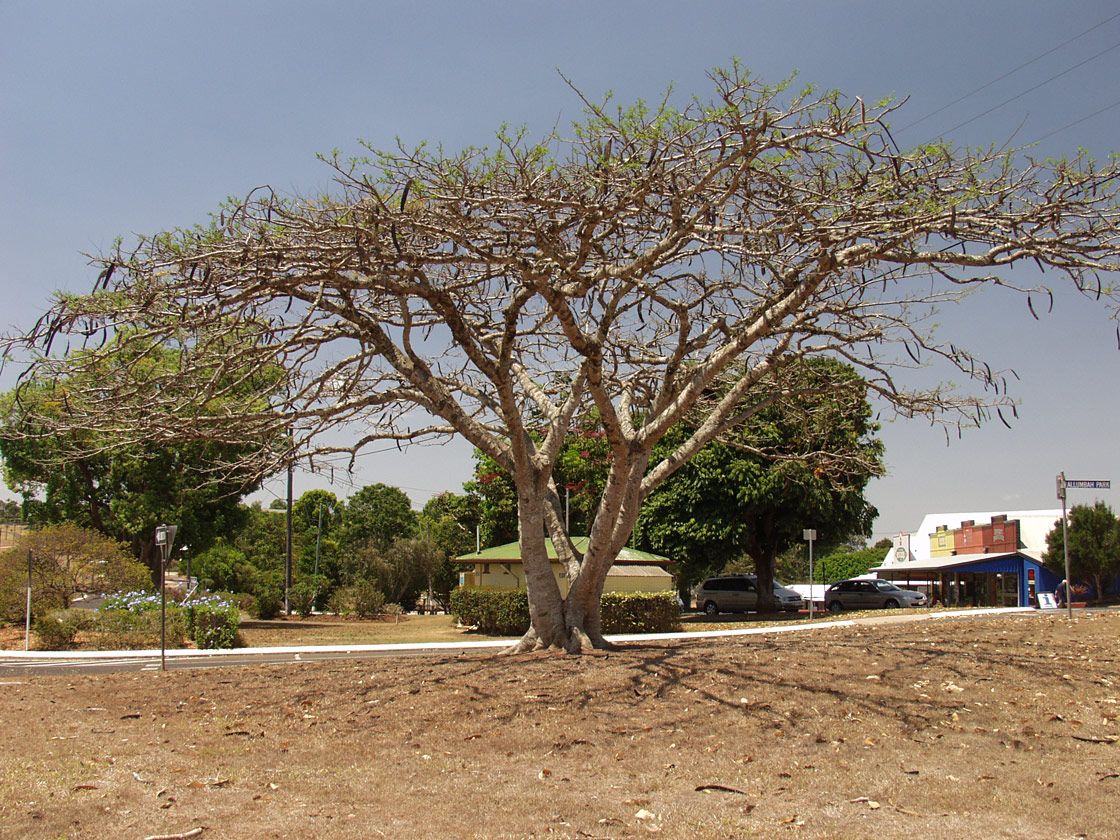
213 620
131 621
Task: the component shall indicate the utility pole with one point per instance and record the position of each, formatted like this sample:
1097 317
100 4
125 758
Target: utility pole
318 536
27 626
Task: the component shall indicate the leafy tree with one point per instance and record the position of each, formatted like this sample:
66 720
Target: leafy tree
66 561
376 516
801 462
224 568
316 516
847 564
403 570
1094 545
632 266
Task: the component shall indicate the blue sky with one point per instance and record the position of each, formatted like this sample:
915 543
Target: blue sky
124 117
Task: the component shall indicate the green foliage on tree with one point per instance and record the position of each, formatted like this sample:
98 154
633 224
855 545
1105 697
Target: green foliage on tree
449 521
802 462
848 564
224 568
1094 546
376 516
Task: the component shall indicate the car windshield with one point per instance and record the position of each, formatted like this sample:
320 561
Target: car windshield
883 586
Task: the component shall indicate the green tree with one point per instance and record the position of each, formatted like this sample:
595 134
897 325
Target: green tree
841 565
1094 546
402 570
801 462
224 568
632 266
66 561
376 516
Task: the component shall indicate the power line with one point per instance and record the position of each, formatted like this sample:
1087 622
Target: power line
1010 72
1031 89
1079 121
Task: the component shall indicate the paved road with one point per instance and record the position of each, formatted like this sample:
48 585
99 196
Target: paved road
26 663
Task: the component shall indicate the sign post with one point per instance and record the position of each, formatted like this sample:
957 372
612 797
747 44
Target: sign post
809 534
1064 483
165 538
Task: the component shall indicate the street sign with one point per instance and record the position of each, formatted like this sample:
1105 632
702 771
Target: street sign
1092 485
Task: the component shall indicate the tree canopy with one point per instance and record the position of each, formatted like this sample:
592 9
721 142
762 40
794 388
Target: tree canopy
632 266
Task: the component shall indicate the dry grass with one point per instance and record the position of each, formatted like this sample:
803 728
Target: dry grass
1003 727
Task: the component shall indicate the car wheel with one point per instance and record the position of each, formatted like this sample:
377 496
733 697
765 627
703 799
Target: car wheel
835 607
711 608
891 604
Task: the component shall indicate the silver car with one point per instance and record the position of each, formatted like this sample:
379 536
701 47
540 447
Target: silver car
870 595
739 593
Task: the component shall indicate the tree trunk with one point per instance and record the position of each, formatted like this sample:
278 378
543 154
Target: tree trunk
548 628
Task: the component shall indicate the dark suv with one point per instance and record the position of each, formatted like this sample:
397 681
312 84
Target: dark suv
870 595
739 593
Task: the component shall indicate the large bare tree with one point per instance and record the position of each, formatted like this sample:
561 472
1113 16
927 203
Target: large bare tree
628 269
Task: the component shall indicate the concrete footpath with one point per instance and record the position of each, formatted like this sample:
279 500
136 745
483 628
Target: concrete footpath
296 652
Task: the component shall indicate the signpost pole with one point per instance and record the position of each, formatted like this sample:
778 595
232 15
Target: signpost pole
809 534
1065 542
1063 483
165 537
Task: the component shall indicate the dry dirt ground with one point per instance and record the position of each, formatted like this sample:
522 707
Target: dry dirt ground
977 728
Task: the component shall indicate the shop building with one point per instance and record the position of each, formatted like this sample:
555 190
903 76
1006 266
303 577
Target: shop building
975 559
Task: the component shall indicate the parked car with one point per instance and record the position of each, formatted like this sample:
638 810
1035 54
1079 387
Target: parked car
870 595
739 593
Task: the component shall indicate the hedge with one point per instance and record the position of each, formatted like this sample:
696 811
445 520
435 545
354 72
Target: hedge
505 612
496 612
640 612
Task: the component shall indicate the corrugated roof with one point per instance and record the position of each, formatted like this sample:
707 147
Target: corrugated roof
637 571
954 562
511 553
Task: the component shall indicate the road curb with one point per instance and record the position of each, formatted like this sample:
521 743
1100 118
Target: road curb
18 656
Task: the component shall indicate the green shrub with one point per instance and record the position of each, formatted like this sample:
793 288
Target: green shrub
340 601
395 611
368 599
301 598
640 612
58 629
505 612
496 612
268 601
213 621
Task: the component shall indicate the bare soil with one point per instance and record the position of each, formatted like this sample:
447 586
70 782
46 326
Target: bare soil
981 728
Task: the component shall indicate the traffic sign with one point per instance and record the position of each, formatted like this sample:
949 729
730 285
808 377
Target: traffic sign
1098 485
